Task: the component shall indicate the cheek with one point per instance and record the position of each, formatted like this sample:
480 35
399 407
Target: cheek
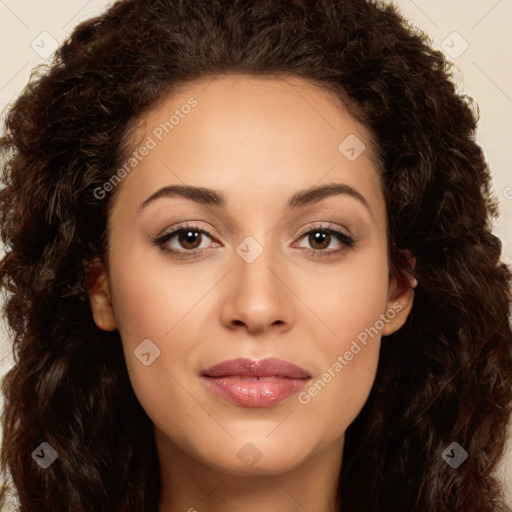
350 302
150 297
348 298
153 302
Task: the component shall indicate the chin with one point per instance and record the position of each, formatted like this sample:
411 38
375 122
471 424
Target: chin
256 456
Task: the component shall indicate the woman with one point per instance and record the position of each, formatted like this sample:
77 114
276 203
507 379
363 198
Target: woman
187 336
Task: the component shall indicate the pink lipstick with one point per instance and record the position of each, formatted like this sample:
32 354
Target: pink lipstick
255 383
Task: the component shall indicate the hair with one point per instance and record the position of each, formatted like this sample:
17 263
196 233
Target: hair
445 376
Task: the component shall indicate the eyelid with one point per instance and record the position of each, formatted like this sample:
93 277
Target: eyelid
192 225
326 225
195 225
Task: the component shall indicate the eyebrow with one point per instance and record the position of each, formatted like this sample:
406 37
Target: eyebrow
206 196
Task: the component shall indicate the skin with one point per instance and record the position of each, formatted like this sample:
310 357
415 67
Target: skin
259 141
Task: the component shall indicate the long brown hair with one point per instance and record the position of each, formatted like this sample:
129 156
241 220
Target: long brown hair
445 377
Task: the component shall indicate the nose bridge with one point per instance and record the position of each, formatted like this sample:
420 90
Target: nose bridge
257 295
256 261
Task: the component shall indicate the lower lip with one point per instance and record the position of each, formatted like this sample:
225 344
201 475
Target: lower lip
255 393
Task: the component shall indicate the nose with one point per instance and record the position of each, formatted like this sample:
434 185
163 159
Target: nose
257 296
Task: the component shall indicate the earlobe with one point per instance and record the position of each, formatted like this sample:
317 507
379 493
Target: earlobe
100 296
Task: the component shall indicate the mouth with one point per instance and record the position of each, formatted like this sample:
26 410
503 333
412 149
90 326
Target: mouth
250 383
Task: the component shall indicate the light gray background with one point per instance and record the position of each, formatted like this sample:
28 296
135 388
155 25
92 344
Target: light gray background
475 34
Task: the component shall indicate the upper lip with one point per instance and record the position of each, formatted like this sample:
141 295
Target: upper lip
270 367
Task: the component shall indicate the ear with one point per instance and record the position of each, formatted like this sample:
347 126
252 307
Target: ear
400 298
98 286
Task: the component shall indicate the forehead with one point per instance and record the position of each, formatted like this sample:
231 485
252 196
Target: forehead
297 107
253 134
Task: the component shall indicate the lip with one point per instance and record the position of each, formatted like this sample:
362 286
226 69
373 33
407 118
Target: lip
251 383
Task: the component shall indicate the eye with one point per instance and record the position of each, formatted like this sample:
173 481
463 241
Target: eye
187 237
321 237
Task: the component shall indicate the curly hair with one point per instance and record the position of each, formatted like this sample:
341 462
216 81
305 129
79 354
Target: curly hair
445 376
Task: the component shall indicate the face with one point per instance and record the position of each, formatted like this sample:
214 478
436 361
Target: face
263 268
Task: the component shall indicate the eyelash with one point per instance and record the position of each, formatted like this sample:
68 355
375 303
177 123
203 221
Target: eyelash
346 240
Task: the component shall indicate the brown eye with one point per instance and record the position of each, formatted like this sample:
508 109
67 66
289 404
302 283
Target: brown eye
183 241
188 239
317 239
320 238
